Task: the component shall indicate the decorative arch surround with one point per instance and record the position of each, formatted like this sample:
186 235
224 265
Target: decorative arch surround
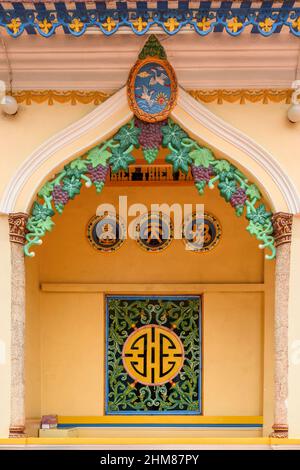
116 153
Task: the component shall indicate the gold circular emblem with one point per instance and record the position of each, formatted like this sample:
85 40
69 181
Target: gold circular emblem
201 233
155 231
106 232
153 355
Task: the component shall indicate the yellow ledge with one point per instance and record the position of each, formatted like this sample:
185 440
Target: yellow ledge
168 419
150 441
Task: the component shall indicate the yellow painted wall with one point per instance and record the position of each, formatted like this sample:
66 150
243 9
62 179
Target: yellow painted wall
32 126
233 354
71 324
67 244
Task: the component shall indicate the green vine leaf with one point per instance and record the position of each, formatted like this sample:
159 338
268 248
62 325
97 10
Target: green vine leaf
41 212
239 210
72 172
79 164
200 185
227 175
47 224
98 156
152 48
222 165
128 135
253 192
260 215
180 160
46 190
172 135
202 157
120 160
72 186
227 188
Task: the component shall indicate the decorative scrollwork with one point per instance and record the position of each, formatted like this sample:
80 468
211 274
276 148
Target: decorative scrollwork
184 153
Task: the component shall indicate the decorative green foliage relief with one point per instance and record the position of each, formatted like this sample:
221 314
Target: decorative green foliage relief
181 315
116 154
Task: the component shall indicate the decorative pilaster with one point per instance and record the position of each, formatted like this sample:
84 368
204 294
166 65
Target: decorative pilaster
282 225
17 229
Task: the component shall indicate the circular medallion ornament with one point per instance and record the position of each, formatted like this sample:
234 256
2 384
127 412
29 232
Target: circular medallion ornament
155 231
152 89
106 232
153 355
201 233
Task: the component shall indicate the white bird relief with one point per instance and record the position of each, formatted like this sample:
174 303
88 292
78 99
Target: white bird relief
160 79
146 95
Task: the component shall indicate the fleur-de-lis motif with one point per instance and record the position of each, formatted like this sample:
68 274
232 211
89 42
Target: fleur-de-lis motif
296 24
266 25
234 25
109 25
45 26
171 24
204 24
139 24
76 25
14 25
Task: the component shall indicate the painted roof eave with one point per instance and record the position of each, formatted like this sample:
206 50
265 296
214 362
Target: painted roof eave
139 18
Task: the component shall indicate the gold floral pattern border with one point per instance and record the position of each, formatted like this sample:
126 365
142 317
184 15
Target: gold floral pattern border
243 96
73 97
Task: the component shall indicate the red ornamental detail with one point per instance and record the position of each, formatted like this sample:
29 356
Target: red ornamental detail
17 227
282 225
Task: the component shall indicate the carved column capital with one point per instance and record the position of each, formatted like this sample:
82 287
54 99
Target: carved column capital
282 226
17 227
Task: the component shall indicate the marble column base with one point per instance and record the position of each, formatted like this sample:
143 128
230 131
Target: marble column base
17 431
280 431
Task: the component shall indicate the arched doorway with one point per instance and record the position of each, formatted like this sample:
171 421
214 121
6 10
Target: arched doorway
275 202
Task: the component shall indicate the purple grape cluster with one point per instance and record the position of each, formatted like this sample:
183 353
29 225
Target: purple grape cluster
238 198
98 173
200 173
150 136
60 197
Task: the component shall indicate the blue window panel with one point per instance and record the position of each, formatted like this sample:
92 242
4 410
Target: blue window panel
102 10
42 12
224 9
141 8
265 11
21 13
183 6
285 9
62 13
81 10
204 9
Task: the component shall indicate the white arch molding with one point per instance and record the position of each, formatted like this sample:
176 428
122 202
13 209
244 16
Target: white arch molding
108 117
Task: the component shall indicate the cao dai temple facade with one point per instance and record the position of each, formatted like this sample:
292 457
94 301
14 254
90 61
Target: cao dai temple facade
115 324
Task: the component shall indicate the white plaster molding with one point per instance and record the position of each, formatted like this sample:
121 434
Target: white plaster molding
94 62
110 109
244 143
107 110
